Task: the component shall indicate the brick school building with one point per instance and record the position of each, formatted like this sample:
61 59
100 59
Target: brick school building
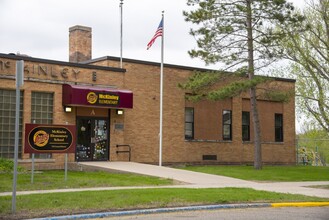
116 112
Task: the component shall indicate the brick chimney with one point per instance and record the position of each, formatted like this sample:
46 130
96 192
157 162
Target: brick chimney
79 44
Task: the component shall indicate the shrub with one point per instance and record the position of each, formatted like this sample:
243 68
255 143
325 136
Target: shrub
7 166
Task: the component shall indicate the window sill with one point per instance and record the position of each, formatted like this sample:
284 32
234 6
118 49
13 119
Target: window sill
208 141
265 142
273 142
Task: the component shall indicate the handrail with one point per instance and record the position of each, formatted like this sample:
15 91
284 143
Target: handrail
124 151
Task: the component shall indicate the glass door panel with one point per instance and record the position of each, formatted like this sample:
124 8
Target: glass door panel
92 139
99 140
83 151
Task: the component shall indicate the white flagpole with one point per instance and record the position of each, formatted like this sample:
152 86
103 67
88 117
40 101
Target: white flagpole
161 92
121 3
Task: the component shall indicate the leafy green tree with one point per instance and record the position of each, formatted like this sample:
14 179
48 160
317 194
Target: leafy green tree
242 36
309 53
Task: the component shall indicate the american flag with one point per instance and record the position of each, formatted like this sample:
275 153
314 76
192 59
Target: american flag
157 34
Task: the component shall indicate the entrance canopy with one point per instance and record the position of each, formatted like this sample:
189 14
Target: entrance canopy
75 95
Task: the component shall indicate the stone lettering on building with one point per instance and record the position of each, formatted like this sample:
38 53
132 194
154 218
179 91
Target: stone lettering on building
41 70
4 65
51 71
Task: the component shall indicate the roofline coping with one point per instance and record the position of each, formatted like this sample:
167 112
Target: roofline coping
80 27
64 63
146 63
86 64
170 66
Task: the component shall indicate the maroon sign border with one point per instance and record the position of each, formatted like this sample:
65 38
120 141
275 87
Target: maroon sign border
28 148
77 95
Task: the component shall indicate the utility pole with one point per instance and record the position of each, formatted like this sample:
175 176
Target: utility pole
19 83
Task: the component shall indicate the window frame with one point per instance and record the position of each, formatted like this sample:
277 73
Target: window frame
189 137
278 127
42 112
225 125
7 123
245 126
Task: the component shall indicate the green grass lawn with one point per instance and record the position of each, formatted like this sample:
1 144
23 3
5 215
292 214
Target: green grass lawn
76 179
268 173
54 204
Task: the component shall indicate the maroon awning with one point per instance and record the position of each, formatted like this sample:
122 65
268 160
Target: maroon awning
76 95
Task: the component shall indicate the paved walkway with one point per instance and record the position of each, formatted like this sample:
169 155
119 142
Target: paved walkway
191 179
202 180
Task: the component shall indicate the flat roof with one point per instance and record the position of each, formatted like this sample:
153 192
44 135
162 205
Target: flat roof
87 64
169 66
56 62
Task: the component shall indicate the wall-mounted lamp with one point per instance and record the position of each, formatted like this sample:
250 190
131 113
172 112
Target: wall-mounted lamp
67 109
119 111
94 76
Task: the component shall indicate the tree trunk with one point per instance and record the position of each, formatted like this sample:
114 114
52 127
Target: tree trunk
253 100
257 134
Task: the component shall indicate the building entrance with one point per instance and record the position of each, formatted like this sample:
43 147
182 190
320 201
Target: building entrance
92 139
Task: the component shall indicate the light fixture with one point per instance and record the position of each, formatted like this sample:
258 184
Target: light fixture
67 109
119 111
94 76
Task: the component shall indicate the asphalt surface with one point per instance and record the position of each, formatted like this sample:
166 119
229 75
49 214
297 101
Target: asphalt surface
296 213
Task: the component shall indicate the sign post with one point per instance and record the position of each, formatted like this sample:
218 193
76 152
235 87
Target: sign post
44 138
19 83
65 174
32 169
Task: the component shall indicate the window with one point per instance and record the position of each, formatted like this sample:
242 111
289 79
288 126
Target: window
42 107
246 126
42 112
189 123
278 127
7 123
227 125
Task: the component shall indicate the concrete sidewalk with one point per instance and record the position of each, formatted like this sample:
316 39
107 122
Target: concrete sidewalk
202 180
184 176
